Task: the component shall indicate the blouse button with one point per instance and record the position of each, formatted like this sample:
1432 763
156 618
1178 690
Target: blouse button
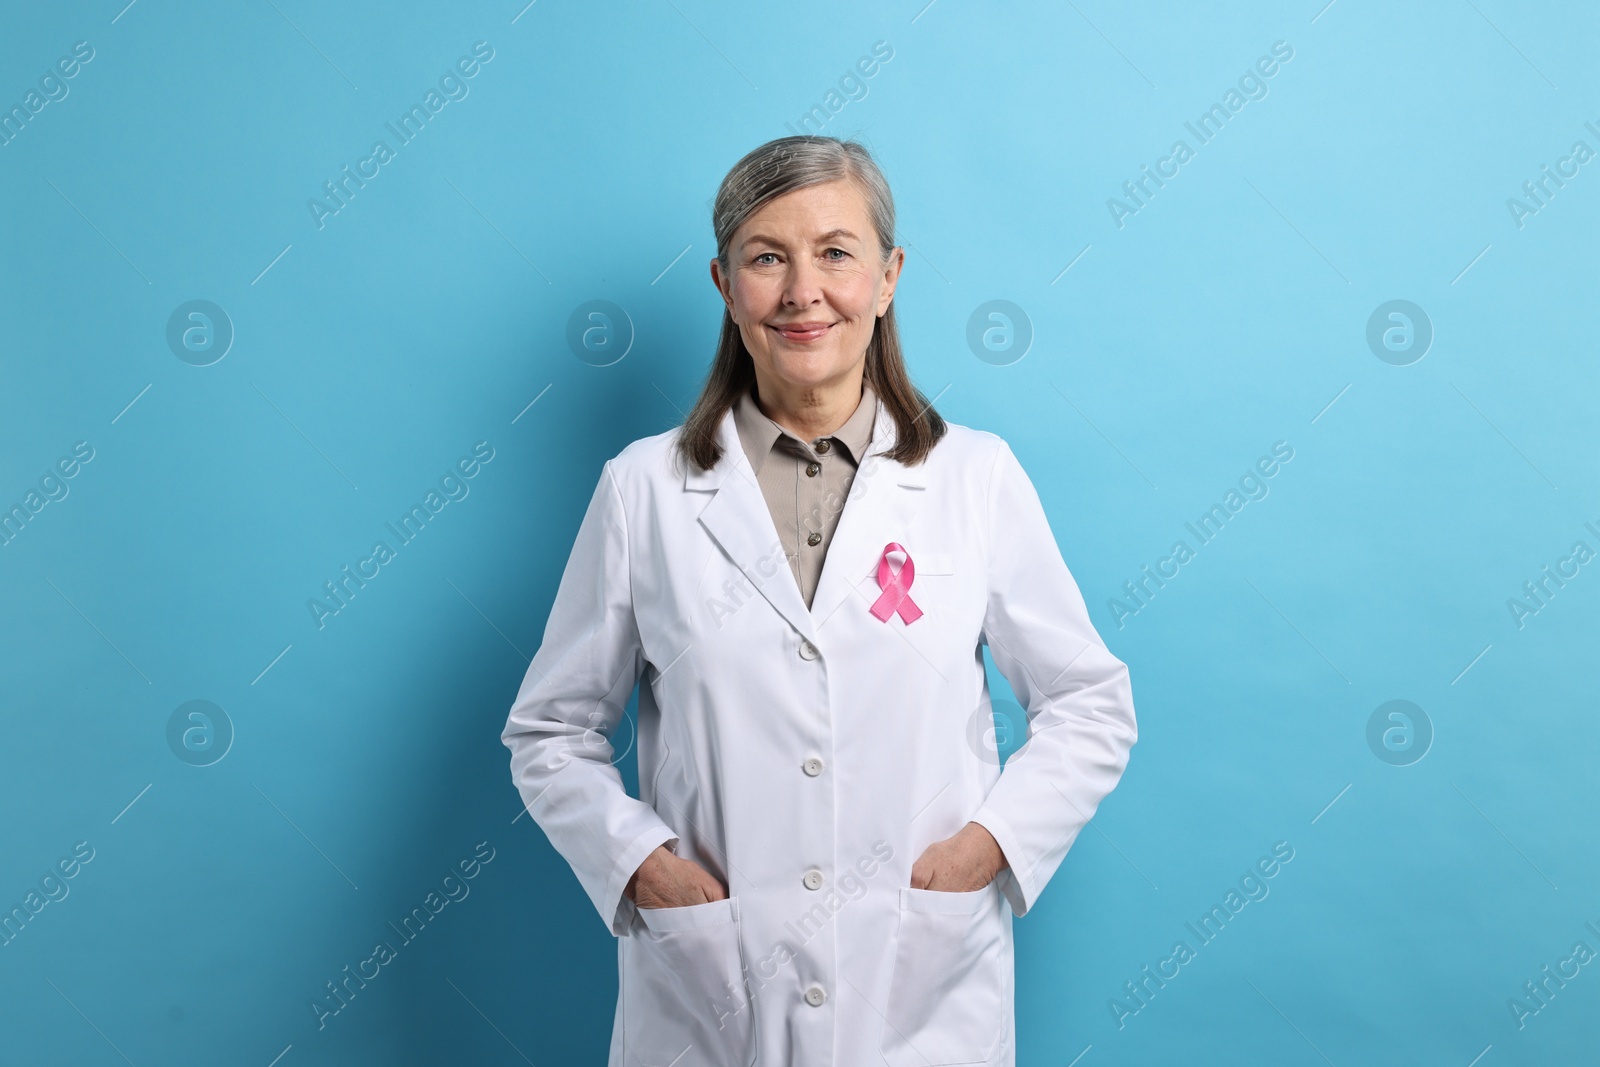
813 469
824 444
814 539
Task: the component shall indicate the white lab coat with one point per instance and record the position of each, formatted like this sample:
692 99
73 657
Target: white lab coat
807 757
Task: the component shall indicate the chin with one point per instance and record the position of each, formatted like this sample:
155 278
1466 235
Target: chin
814 370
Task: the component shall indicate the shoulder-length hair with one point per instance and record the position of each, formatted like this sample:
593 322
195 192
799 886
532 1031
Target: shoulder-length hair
781 166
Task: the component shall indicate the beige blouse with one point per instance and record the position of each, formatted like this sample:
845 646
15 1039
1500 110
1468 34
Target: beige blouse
805 482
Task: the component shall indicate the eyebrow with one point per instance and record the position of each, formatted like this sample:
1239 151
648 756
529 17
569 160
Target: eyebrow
761 238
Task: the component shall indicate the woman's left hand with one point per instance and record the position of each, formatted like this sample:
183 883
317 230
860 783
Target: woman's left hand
959 864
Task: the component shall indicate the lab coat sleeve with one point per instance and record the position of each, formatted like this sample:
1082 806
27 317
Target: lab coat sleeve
1077 694
568 706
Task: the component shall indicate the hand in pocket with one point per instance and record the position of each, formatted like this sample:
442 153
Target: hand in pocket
665 880
959 864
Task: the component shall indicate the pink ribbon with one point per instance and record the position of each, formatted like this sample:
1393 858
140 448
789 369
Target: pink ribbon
896 586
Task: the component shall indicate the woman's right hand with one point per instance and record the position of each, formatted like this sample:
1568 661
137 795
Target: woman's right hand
665 880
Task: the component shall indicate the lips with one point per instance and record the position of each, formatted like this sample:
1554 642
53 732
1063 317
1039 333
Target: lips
802 331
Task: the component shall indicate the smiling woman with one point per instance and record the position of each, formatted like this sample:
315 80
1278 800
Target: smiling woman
816 214
823 715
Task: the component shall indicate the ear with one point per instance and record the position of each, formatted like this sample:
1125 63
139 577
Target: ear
891 278
724 285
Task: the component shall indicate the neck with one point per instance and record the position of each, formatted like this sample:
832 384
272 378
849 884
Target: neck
809 411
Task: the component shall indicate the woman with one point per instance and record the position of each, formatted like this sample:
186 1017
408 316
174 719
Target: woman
825 857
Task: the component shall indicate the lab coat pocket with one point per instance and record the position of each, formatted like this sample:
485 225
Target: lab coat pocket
948 988
683 995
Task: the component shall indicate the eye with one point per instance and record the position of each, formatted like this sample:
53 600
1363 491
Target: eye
762 255
842 253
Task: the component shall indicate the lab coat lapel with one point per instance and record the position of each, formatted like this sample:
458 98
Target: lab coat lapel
738 518
884 497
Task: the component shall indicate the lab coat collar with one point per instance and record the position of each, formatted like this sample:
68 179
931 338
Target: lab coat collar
883 499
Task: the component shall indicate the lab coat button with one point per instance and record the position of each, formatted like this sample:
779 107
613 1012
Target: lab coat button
813 879
815 996
808 650
812 766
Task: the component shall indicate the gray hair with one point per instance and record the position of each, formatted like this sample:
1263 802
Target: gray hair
791 163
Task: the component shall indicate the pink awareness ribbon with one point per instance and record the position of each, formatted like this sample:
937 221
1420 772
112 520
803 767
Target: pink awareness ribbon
896 586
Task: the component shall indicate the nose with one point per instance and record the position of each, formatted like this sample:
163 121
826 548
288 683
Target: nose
802 283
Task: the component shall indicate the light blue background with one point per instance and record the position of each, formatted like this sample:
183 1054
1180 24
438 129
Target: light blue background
1229 313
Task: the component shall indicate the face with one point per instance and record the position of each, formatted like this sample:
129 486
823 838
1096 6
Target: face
806 285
